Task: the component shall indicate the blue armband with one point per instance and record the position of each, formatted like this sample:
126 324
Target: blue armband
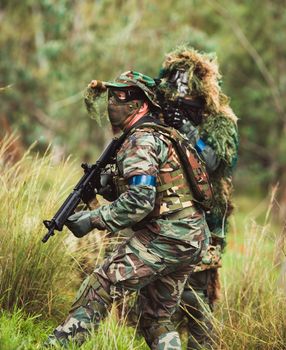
142 180
200 146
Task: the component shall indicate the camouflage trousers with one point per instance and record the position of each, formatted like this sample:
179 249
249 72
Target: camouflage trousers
155 265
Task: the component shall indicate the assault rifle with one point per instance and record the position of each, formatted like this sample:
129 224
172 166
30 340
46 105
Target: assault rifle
85 190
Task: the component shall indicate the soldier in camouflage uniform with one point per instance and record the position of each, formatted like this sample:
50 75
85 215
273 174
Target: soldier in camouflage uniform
169 231
193 103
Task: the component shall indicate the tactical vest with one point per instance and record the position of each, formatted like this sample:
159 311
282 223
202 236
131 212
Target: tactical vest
181 185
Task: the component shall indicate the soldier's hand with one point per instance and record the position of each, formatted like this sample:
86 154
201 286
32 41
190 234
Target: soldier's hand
79 223
108 193
107 189
83 222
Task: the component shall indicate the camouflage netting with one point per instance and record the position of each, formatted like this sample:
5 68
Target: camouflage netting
219 124
96 104
221 134
203 79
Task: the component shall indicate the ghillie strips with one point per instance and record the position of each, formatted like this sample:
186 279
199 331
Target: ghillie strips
95 99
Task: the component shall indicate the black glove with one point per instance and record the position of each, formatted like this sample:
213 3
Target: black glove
82 222
79 223
173 115
177 112
107 189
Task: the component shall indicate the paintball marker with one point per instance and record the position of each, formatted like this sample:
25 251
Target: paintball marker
85 190
176 111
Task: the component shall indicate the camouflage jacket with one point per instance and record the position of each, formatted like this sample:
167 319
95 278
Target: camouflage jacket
147 153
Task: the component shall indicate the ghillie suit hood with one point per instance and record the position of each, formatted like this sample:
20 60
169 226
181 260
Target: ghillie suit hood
218 127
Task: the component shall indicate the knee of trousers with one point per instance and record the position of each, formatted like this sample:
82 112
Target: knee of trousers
152 331
92 294
166 341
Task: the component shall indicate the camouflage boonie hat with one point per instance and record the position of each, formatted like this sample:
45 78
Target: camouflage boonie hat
136 79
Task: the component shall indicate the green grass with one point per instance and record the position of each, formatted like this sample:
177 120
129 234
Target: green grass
38 281
19 331
22 332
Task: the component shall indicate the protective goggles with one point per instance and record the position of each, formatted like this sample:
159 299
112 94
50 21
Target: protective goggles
125 94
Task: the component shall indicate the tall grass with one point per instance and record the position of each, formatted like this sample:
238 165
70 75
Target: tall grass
32 274
252 313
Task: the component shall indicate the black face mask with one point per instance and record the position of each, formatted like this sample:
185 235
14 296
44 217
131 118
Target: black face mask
119 109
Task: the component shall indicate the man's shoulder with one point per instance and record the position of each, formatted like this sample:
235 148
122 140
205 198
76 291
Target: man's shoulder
143 144
145 136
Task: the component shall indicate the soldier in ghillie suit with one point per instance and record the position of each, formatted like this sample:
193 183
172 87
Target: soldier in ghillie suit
193 102
155 199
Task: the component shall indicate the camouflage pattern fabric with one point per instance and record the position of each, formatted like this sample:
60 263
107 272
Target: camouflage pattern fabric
139 155
202 289
211 259
218 128
172 190
75 329
156 260
156 265
169 341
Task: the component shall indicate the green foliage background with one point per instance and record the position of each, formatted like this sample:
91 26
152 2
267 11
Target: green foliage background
51 49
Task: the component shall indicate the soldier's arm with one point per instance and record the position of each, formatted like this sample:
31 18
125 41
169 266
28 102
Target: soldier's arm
207 153
139 165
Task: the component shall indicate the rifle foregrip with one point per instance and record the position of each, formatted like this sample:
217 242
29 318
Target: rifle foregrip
48 235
